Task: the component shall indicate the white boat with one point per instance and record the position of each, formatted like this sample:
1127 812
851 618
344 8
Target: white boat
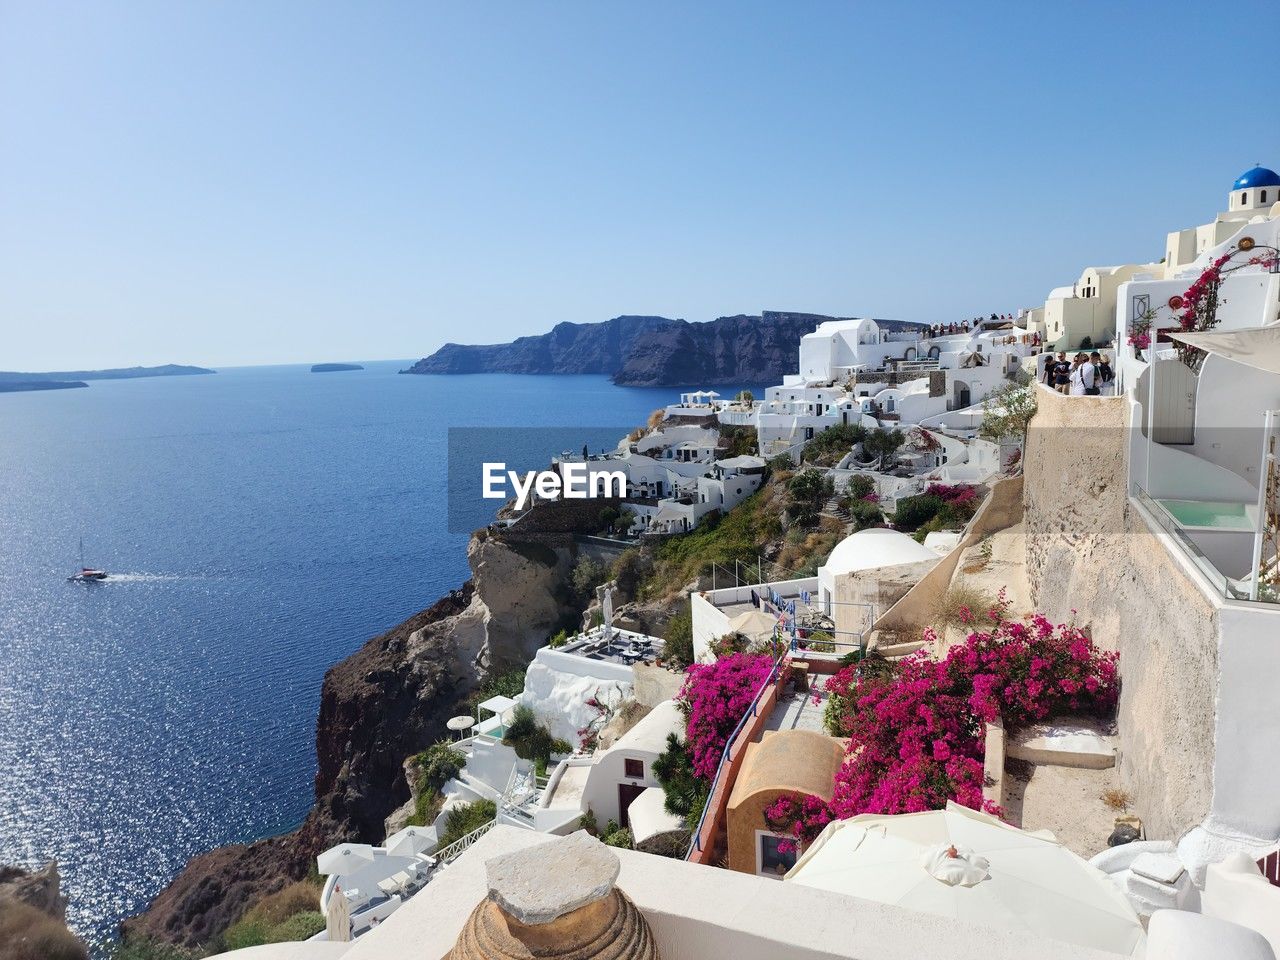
87 574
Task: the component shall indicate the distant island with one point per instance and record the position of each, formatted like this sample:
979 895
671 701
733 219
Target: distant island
649 351
334 367
18 386
12 381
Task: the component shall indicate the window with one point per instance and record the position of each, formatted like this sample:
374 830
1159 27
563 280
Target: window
634 769
1244 197
770 862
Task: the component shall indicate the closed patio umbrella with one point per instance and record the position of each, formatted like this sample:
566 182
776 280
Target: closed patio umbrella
964 864
337 918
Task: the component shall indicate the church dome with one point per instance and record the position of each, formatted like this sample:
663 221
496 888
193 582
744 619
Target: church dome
1257 177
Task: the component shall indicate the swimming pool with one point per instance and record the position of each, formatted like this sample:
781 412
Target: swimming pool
1212 514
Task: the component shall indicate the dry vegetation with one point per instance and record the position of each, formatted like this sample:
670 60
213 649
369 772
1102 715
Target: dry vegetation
30 934
962 606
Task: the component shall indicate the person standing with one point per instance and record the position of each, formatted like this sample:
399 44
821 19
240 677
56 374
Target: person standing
1083 375
1104 376
1061 372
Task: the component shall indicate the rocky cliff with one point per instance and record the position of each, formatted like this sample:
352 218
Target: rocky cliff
647 351
386 701
33 915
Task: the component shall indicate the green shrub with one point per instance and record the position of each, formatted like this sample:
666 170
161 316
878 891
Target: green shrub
440 763
806 493
465 818
782 462
630 570
559 640
144 948
587 575
620 838
509 684
830 446
742 440
678 646
274 918
865 514
915 512
820 642
883 443
860 484
530 739
301 926
686 793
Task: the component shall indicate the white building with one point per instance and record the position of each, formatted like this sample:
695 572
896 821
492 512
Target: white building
858 371
1203 477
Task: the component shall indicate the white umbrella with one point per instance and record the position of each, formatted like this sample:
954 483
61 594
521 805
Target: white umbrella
964 864
411 841
458 724
337 918
344 858
754 625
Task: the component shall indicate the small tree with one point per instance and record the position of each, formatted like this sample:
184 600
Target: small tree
1007 412
746 397
686 794
806 493
883 444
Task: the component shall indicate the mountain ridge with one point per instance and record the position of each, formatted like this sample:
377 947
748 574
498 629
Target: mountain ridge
637 350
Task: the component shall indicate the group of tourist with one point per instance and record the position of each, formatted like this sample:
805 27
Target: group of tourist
1084 375
964 326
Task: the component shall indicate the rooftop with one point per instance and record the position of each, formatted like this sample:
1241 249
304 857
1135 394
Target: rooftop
697 911
1259 176
624 647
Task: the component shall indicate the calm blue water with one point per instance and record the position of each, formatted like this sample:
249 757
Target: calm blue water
259 525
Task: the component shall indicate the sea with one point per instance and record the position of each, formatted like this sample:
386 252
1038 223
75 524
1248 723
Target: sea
259 525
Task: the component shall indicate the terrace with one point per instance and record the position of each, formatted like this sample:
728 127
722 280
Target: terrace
1203 459
612 645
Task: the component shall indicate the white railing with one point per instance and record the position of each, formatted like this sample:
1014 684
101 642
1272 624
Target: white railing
458 847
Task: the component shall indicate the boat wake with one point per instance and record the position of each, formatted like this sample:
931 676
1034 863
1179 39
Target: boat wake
144 577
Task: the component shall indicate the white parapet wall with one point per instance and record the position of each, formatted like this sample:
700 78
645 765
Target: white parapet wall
711 621
558 685
697 911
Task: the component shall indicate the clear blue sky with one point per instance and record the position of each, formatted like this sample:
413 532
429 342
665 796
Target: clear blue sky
255 182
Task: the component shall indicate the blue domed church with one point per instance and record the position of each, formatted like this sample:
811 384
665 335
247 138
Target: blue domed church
1255 189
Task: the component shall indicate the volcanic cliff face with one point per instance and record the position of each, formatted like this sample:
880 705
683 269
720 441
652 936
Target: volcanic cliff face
647 351
388 700
568 348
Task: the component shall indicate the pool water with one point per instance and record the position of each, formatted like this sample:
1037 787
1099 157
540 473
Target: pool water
1210 513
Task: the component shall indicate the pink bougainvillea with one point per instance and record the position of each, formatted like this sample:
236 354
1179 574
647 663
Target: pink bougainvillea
717 695
956 495
917 727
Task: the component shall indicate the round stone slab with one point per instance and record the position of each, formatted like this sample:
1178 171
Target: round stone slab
540 884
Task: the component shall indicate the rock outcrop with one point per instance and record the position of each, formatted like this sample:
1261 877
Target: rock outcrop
33 915
40 889
388 700
647 351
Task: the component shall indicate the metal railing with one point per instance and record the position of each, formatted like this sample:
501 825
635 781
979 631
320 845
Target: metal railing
695 842
454 850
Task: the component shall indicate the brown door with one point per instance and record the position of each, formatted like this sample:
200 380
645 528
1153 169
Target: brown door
626 793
